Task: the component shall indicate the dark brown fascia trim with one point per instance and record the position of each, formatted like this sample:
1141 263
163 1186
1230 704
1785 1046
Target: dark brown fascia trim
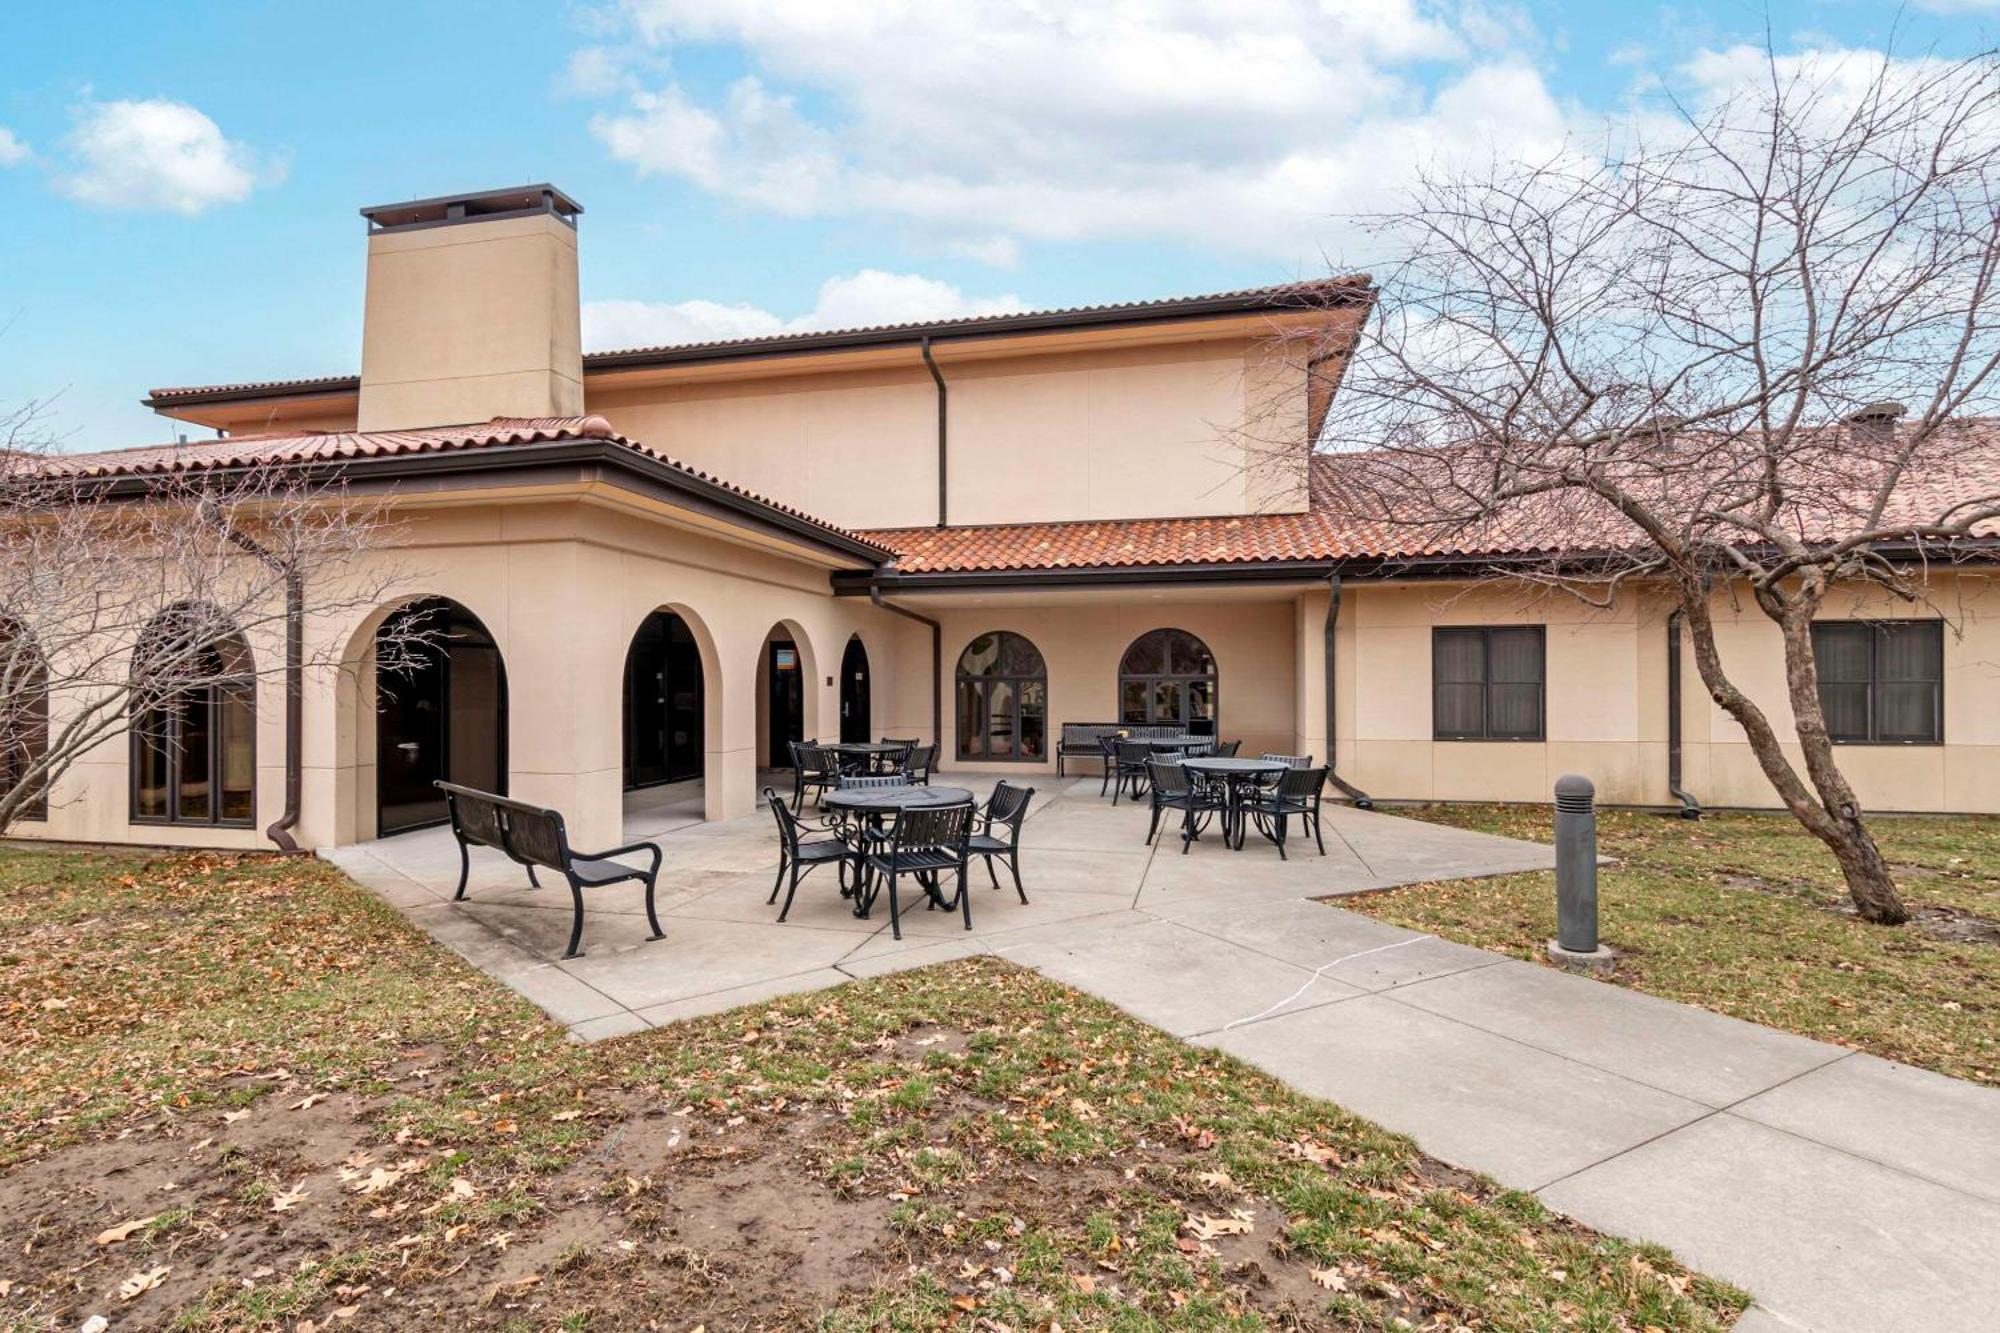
332 387
551 461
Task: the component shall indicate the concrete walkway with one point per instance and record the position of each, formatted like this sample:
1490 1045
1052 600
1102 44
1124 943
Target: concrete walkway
1847 1193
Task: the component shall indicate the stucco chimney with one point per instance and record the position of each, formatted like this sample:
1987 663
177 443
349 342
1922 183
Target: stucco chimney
471 310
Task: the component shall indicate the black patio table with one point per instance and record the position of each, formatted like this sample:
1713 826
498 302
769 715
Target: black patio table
871 803
866 751
1178 742
1236 774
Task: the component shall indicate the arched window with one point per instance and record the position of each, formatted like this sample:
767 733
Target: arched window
1168 679
1003 699
24 713
194 722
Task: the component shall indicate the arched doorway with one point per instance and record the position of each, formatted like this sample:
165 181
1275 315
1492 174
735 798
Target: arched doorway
665 703
1167 678
787 700
1003 699
856 724
441 713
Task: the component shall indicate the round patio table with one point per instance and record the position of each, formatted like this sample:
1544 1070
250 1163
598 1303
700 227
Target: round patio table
1236 775
1179 742
871 803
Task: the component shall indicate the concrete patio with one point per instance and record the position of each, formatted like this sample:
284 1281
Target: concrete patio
1845 1192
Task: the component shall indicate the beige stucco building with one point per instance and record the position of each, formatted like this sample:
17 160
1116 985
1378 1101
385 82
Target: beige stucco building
656 566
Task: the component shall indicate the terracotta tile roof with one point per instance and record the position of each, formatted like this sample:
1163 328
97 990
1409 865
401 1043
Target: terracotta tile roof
1348 519
286 449
1282 296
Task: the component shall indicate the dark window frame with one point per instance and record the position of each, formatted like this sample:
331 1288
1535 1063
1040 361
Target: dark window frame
981 685
1439 633
24 730
1879 631
1149 679
245 681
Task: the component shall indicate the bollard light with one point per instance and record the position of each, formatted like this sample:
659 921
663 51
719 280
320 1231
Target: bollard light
1576 872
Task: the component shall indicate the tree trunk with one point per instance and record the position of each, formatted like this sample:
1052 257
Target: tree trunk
1833 815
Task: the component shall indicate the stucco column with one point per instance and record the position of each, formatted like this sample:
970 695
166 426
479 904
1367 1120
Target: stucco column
729 760
1309 676
564 649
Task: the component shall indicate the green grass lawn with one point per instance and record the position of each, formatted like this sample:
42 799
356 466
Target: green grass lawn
1745 914
250 1096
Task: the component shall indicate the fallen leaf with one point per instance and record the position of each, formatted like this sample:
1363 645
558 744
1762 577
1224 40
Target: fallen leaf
1329 1278
97 1323
112 1235
461 1188
140 1283
231 1117
310 1100
561 1116
1239 1223
290 1199
1216 1180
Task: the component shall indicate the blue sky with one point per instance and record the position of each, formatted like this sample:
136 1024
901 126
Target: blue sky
181 181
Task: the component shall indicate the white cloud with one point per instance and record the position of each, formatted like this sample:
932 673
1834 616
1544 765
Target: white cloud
988 122
14 150
854 301
1960 6
157 155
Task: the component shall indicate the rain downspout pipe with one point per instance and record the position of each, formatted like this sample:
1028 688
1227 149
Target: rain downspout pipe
937 662
1690 807
1361 799
944 414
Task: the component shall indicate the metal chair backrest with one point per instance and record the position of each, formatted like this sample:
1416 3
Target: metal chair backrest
920 759
1289 760
1168 779
1228 749
870 781
1133 753
1008 806
788 823
944 828
1302 784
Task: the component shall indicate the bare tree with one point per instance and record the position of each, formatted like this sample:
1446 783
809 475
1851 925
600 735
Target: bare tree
1738 355
123 597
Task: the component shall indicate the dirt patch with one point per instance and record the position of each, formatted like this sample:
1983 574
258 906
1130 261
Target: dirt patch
1940 921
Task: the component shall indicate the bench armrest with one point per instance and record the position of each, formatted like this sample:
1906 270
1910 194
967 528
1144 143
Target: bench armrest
652 847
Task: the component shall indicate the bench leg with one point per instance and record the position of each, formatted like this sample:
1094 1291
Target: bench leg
533 883
651 917
464 870
576 926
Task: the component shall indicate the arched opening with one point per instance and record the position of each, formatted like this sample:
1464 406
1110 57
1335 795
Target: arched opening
787 673
24 716
194 721
665 704
1003 699
856 705
1167 678
441 711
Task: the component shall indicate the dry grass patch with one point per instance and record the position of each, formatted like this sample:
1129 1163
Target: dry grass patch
1745 914
263 1101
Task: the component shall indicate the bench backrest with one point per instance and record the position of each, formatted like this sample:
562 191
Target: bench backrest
1085 736
528 833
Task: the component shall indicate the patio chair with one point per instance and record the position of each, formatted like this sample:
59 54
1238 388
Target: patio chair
1297 793
893 763
798 855
1108 743
1005 810
917 767
814 769
1227 749
1266 784
1172 788
926 844
1130 768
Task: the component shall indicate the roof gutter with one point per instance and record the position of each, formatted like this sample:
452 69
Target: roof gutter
859 583
937 662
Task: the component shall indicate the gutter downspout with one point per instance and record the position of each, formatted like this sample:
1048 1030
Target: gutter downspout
943 401
937 662
1690 807
1362 800
295 620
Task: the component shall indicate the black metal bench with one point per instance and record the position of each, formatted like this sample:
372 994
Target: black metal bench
1083 740
533 836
